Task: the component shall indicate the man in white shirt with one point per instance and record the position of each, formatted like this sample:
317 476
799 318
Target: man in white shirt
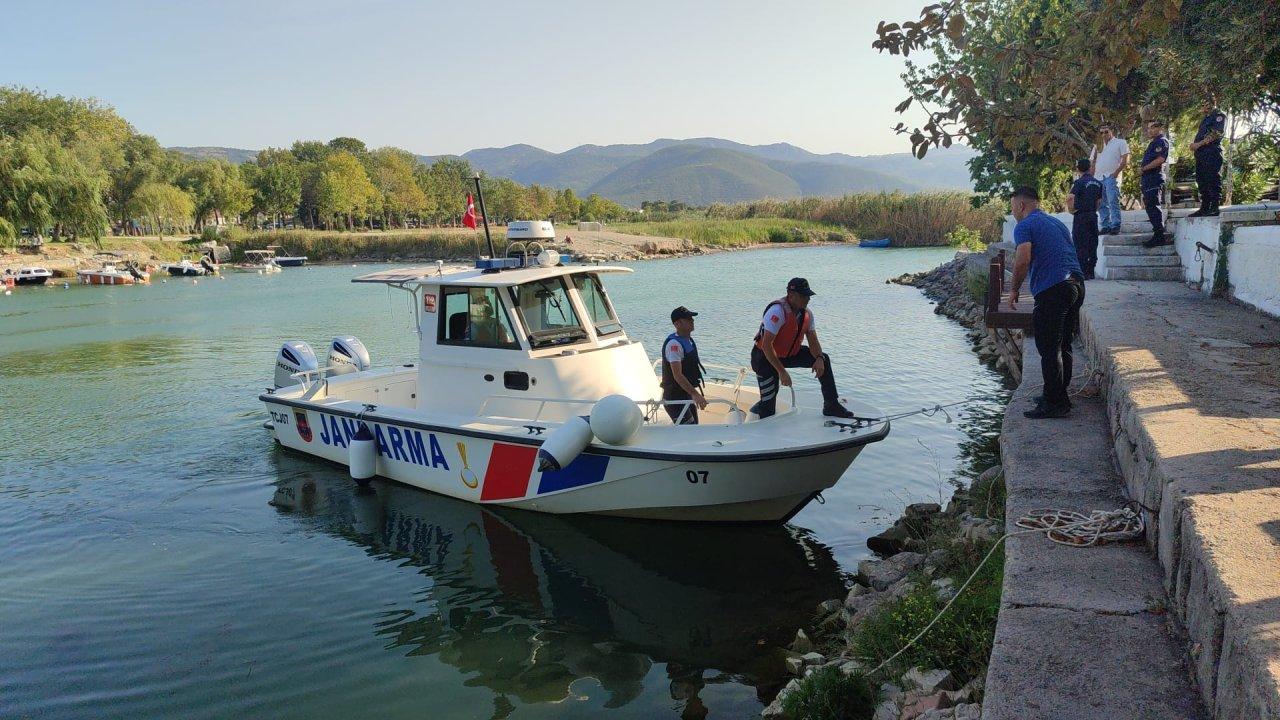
1108 165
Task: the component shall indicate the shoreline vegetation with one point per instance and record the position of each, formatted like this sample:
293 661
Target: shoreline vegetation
921 563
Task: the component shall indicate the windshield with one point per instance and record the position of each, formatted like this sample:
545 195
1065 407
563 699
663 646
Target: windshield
597 304
547 314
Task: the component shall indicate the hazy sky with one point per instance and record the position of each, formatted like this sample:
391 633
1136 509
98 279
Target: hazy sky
443 77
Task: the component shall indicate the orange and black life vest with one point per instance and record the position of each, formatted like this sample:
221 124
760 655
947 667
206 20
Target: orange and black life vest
787 342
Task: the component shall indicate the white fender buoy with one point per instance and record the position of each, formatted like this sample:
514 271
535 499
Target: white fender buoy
362 455
564 444
615 419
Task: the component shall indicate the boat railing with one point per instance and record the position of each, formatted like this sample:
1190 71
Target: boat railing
649 408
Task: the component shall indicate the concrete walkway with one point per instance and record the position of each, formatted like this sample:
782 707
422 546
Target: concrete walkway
1083 633
1192 387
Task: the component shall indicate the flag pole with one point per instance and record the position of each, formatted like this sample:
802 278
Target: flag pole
485 216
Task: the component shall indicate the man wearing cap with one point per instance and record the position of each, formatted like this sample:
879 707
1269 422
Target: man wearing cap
681 369
786 324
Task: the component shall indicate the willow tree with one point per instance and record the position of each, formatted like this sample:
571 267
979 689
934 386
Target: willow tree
163 204
343 189
392 172
45 185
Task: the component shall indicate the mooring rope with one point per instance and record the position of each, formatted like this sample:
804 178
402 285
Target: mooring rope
1097 527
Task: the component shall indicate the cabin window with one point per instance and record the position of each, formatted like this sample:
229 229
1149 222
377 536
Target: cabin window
475 317
547 314
599 309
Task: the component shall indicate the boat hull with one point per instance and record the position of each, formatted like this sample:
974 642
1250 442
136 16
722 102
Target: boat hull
291 261
478 467
877 243
104 279
31 280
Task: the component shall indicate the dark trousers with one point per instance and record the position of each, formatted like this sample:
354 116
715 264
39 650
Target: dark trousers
1209 182
1084 232
690 411
1151 201
767 378
1056 319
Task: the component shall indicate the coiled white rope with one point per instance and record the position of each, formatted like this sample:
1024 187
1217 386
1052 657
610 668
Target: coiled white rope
1068 527
1096 527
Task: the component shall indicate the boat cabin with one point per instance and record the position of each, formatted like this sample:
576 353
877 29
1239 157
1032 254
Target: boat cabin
531 329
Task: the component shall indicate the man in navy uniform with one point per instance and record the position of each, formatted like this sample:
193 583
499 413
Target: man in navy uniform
1152 181
1044 249
681 369
1208 150
1082 203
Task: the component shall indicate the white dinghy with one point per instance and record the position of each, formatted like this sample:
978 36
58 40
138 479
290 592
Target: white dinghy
530 394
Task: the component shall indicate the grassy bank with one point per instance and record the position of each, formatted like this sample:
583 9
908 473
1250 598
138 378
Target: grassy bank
737 232
323 246
919 219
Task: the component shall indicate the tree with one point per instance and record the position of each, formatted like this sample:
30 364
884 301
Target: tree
163 204
144 161
567 206
450 179
277 184
352 145
43 185
343 189
392 172
217 189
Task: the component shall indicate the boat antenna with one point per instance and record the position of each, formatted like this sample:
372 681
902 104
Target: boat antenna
485 217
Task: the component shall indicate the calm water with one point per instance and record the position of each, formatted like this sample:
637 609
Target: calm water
160 558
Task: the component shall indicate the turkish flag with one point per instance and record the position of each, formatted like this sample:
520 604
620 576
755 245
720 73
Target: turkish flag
469 218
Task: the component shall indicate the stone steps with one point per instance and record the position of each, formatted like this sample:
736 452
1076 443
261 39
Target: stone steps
1151 261
1127 228
1143 273
1125 239
1112 251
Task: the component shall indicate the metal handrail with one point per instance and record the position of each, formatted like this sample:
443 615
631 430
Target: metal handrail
648 407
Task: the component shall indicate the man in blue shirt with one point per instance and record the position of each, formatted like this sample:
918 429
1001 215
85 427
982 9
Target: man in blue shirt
1208 149
1044 247
1082 203
1152 181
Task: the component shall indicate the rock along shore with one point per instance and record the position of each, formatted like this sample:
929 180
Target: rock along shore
918 554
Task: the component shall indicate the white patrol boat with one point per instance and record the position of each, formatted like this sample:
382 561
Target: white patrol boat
530 394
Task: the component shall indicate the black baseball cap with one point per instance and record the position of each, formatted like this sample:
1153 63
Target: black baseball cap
801 286
682 312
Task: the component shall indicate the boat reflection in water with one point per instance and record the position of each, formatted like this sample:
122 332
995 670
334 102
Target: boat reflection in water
526 603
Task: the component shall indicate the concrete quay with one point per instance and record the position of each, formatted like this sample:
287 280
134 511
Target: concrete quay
1192 388
1187 424
1083 633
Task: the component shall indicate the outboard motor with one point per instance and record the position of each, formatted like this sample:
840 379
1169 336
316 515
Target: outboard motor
347 355
295 356
134 271
208 265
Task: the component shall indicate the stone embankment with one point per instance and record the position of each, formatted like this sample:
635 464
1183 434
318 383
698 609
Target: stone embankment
959 287
915 555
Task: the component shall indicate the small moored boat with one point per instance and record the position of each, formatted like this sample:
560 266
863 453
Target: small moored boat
876 243
111 274
186 268
287 260
259 261
31 276
530 394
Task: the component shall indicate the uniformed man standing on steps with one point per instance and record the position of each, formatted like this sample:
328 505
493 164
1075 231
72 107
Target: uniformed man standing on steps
681 369
1208 150
1082 203
786 324
1153 162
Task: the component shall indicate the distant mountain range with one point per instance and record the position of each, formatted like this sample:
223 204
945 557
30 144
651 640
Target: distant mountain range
700 171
